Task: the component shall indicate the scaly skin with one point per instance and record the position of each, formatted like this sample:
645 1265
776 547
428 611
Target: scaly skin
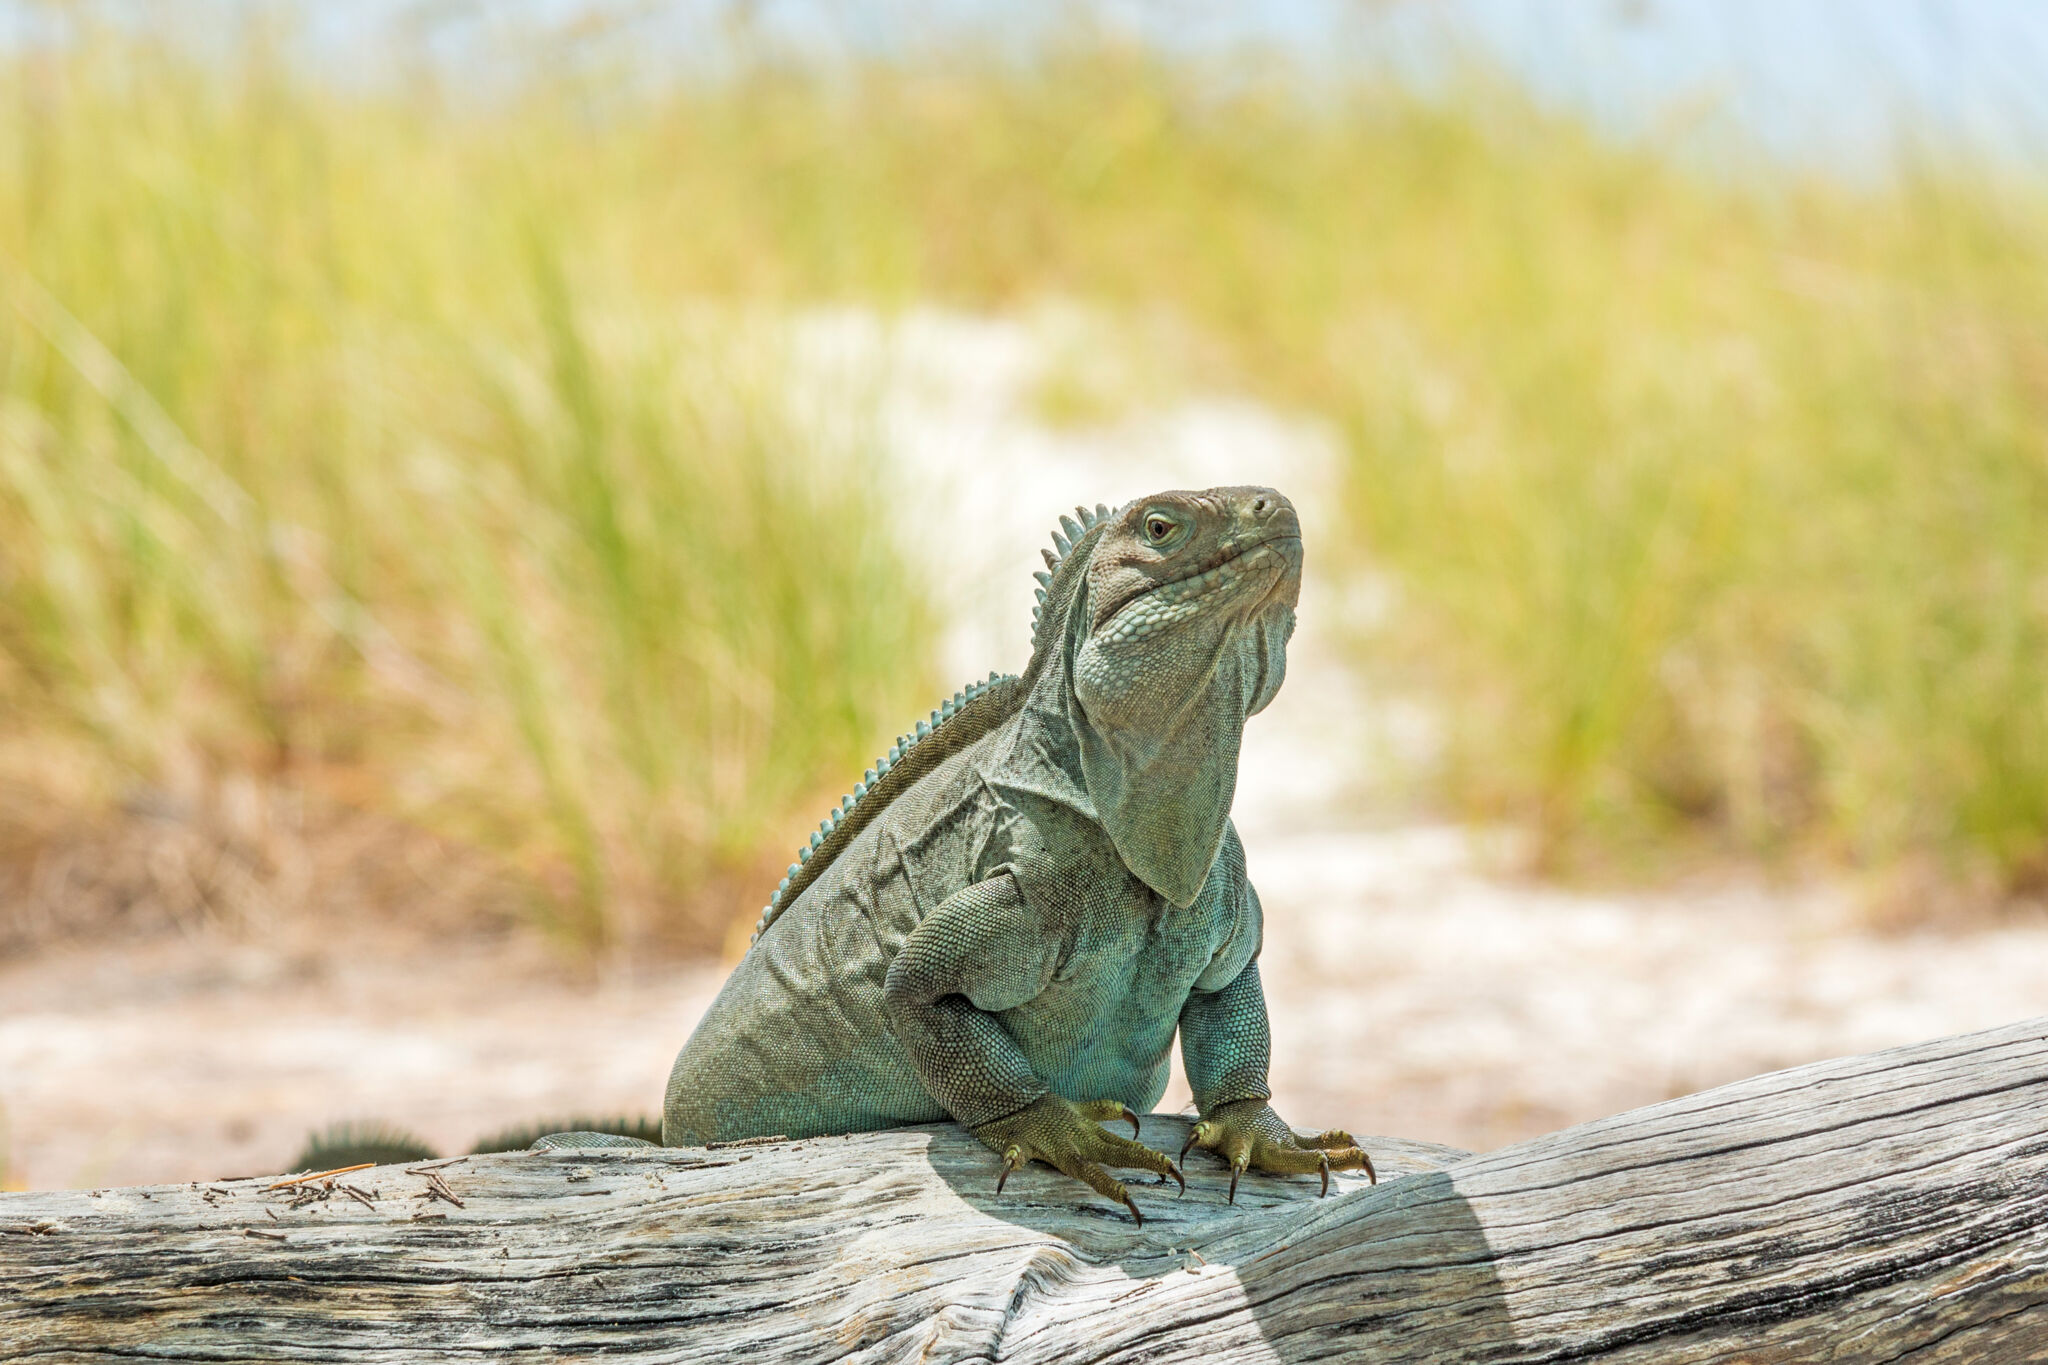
1013 915
1063 1135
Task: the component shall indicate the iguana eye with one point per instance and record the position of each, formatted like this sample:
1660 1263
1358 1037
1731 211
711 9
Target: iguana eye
1157 528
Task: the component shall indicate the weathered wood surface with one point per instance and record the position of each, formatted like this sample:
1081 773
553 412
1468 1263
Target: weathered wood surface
1882 1208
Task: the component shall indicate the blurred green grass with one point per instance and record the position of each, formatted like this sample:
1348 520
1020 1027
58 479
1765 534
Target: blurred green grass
340 449
400 431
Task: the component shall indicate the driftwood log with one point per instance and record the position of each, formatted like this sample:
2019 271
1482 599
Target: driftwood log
1889 1207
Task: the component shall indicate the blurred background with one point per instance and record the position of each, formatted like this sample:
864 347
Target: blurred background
477 481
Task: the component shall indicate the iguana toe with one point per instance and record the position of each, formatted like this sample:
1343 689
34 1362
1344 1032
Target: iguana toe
1248 1134
1105 1111
1065 1136
1335 1137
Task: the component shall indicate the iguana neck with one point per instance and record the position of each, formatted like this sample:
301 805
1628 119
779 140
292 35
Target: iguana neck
1162 794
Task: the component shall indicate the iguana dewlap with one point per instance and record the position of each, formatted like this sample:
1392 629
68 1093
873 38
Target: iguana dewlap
1023 902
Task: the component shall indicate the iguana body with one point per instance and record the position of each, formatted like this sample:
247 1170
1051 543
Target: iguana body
1079 965
1021 905
1022 902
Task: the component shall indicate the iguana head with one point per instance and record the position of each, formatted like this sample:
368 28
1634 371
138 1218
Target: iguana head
1177 631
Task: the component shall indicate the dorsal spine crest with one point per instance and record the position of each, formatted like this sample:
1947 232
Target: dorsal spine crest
1076 531
794 880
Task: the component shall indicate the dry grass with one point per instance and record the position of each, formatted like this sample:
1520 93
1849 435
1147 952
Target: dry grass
344 464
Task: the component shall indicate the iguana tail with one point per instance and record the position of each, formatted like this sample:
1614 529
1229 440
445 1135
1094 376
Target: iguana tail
518 1139
352 1144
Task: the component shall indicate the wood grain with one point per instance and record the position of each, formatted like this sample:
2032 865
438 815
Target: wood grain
1891 1207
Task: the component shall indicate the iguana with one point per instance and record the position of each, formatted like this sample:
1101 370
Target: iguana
1011 915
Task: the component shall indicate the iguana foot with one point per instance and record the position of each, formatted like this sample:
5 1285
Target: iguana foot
1065 1135
1247 1133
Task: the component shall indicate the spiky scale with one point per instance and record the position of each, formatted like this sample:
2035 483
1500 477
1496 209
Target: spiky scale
1073 531
1062 544
1044 578
1101 511
1052 561
828 826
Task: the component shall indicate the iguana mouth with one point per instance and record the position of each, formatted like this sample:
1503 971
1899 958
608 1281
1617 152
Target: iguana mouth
1185 591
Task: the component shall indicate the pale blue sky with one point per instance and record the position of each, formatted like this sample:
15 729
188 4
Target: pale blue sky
1824 80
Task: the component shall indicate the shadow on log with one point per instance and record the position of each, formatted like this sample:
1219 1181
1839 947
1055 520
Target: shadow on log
1889 1207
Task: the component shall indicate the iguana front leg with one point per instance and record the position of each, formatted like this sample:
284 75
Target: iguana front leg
1227 1049
983 951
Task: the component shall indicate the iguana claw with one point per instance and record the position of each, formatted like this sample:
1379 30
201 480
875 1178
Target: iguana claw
1013 1160
1106 1111
1065 1135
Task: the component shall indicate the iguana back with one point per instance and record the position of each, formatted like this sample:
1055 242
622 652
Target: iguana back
973 712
